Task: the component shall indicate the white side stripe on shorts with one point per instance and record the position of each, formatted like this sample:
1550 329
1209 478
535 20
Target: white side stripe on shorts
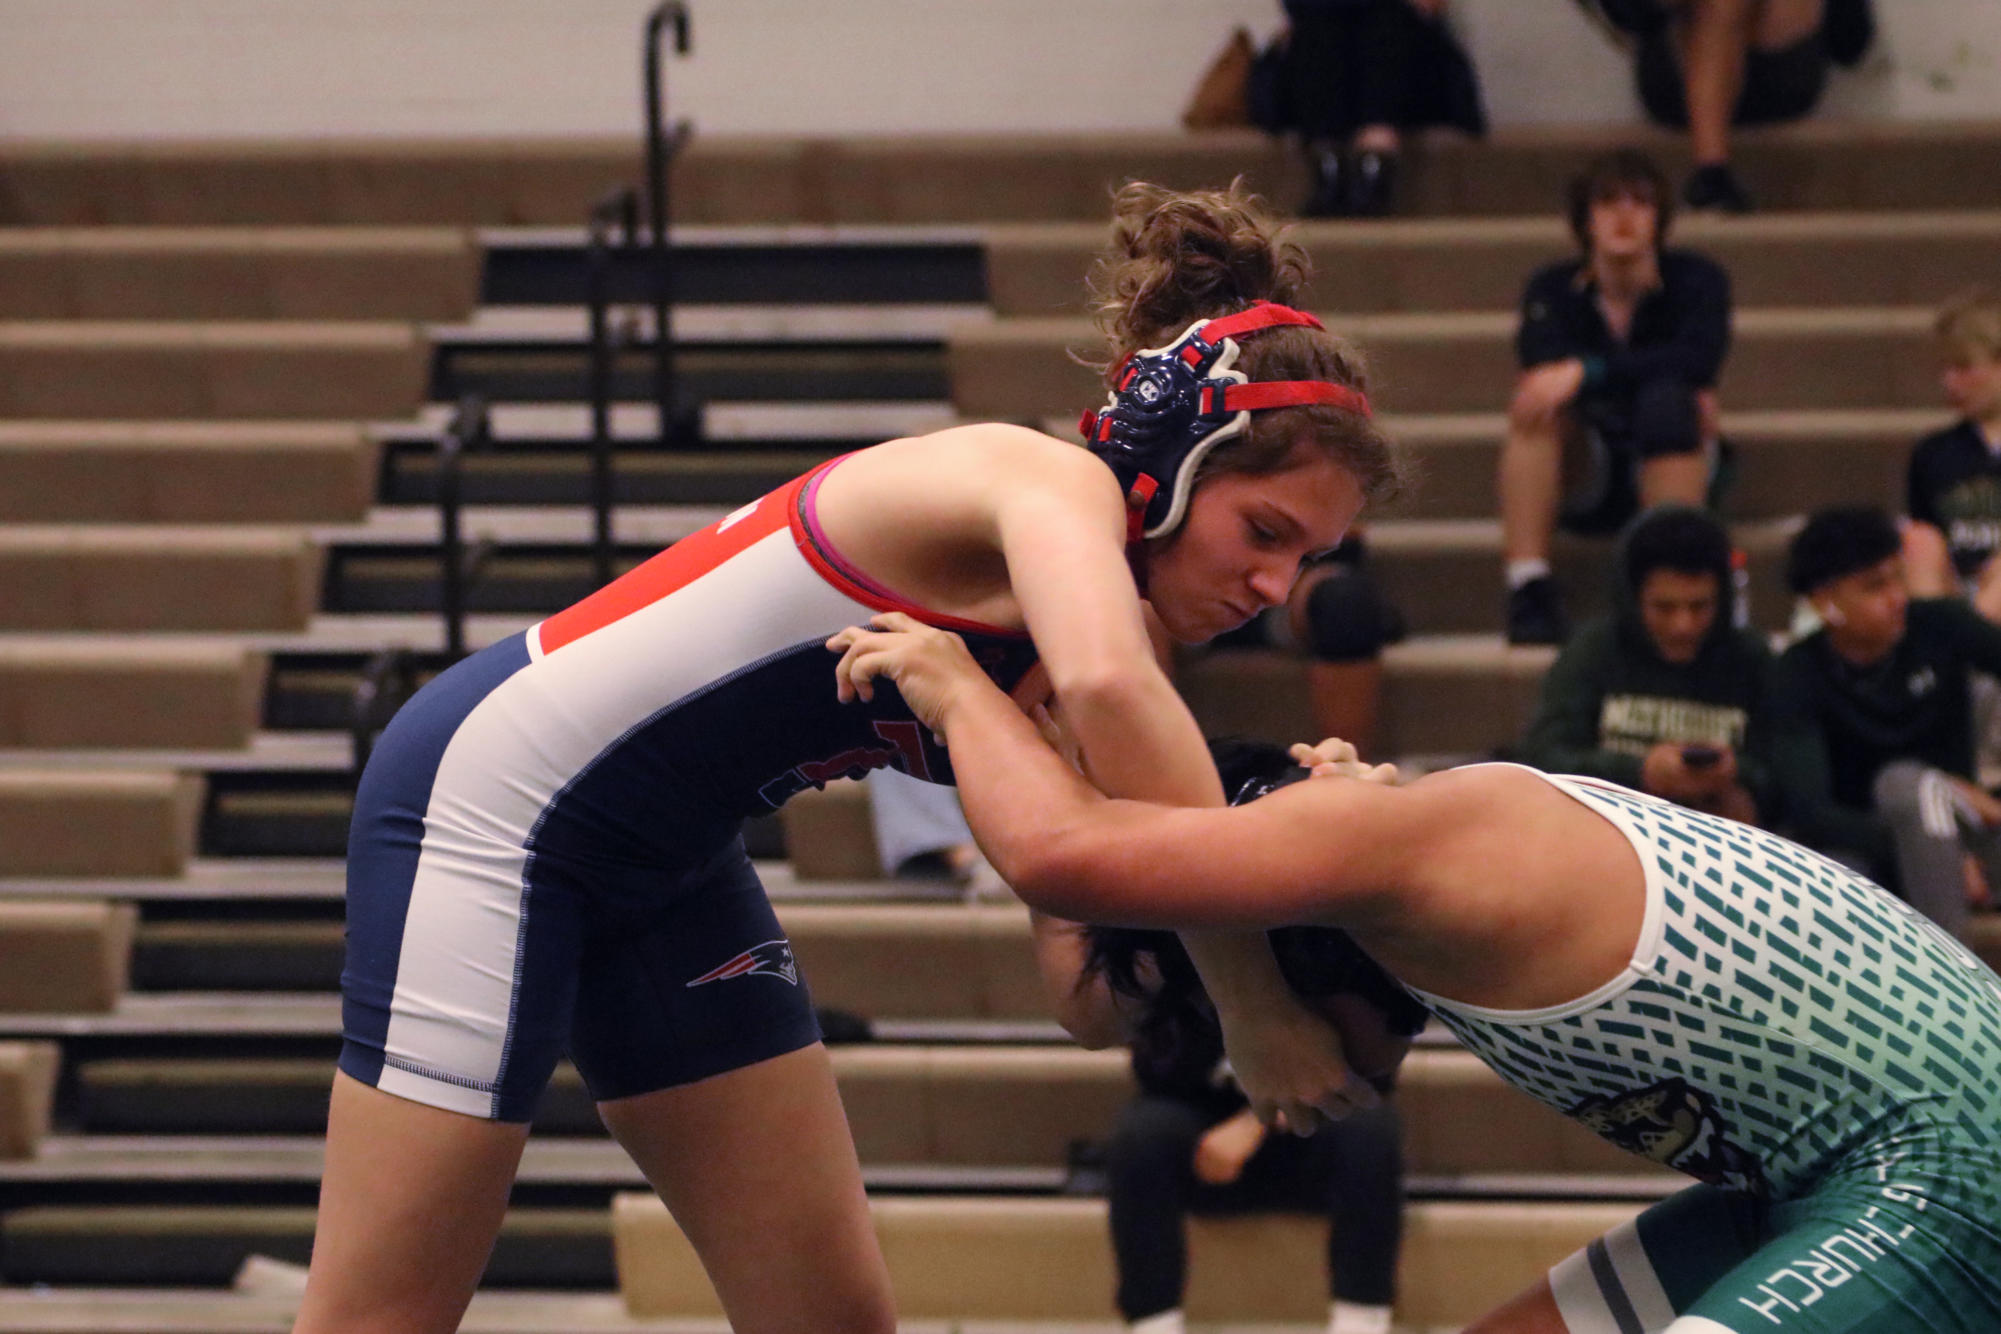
1610 1287
1580 1301
1637 1277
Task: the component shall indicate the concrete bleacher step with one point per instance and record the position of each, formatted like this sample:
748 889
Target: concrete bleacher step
1837 357
206 1244
185 472
237 273
27 1093
1446 574
562 475
64 956
1050 1259
1787 462
1442 264
747 264
128 692
110 577
908 1105
82 822
1460 695
202 1310
177 369
829 834
925 178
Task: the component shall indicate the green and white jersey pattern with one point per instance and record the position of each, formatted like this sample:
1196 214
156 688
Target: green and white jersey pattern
1782 1016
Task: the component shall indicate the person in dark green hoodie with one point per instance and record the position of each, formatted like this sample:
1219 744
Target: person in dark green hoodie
1666 694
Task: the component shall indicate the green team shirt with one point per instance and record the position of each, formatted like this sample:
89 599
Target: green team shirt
1783 1020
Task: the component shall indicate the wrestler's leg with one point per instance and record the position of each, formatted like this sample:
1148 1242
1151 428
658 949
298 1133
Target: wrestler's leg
758 1168
410 1203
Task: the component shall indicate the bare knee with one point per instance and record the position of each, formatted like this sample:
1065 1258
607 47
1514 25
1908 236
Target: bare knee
1927 561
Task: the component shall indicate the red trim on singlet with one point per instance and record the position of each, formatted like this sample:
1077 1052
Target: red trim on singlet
790 506
821 555
671 570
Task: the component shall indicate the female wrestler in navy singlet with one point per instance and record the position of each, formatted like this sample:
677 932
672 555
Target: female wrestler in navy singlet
546 857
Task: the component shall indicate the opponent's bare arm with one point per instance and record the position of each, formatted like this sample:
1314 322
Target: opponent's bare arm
1326 851
1061 527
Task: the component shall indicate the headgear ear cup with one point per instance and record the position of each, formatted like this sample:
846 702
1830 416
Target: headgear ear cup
1173 404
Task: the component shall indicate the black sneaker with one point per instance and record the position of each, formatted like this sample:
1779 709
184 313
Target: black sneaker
1371 180
1849 27
1535 614
1330 195
1716 187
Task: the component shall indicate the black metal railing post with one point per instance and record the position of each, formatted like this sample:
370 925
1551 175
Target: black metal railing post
385 681
619 208
470 427
676 427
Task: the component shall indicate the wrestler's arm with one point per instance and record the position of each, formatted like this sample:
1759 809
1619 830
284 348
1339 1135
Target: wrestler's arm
1060 525
1330 850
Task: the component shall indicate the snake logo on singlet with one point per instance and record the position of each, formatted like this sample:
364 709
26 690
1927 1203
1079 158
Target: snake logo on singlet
1676 1126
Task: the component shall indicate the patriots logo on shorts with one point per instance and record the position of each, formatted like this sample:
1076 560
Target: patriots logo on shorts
773 957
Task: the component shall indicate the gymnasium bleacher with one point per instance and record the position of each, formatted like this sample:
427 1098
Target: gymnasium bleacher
225 373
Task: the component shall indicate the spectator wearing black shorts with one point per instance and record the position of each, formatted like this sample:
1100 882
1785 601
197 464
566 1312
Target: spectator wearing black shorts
1339 620
1710 65
1620 351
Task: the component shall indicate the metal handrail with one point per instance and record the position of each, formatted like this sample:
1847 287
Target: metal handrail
620 208
471 427
676 428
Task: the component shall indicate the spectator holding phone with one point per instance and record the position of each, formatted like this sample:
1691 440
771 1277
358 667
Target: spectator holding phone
1666 694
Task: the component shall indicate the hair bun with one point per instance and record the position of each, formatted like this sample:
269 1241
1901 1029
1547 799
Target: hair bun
1177 257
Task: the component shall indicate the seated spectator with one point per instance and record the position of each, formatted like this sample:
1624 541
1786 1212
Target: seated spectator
921 834
1952 546
1338 618
1620 350
1357 75
1709 65
1872 738
1954 491
1666 694
1188 1143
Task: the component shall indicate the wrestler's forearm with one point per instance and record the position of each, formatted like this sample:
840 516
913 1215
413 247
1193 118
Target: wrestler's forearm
1017 792
1048 832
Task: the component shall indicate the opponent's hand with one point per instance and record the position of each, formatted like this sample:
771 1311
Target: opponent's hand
1289 1062
1982 804
1337 758
1225 1147
928 665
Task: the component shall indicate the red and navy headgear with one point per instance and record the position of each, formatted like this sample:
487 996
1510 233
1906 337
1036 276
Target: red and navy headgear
1172 405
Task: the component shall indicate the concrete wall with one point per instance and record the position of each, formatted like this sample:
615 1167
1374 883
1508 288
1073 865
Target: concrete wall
124 69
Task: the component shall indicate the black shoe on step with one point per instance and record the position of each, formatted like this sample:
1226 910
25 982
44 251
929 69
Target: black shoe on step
1330 195
1535 614
1372 178
1716 187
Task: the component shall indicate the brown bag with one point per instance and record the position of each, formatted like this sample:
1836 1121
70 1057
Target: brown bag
1220 99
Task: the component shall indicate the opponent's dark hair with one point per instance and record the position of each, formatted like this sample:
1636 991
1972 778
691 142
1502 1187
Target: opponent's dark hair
1315 960
1181 256
1681 538
1618 171
1840 542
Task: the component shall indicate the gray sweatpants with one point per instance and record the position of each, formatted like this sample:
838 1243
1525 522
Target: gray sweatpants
1934 830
